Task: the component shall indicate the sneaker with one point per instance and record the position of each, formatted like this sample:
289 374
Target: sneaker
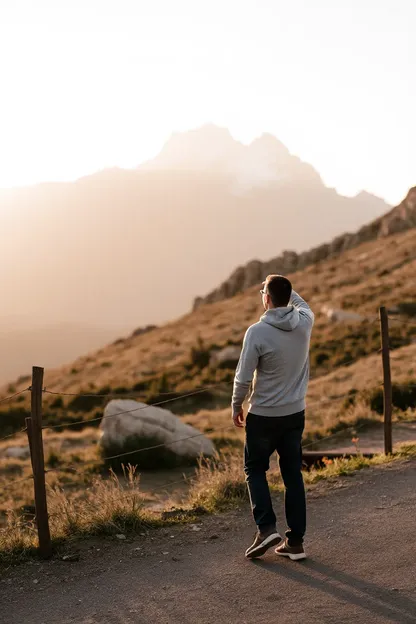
293 552
262 543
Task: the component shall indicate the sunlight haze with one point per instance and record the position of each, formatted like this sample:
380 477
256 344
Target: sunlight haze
88 85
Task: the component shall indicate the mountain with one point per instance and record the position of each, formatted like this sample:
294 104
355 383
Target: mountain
125 248
400 218
266 161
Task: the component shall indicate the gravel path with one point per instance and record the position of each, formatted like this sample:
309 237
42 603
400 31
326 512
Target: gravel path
361 568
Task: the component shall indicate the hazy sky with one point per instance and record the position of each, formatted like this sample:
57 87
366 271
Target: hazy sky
87 84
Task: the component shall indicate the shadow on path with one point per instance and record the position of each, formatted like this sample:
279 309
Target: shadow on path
362 593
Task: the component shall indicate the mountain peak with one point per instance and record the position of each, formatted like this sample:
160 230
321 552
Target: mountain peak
266 160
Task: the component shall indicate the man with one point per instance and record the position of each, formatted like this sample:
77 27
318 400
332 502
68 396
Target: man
275 357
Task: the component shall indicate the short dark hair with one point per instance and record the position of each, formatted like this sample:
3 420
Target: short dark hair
280 290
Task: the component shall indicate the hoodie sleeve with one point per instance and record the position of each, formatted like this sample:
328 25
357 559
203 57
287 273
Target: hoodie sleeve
303 308
245 370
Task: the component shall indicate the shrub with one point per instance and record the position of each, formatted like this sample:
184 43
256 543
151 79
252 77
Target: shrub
141 386
160 385
57 403
12 420
403 397
84 403
407 307
320 357
53 459
199 355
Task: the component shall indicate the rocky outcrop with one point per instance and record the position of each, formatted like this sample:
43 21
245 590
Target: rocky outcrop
399 219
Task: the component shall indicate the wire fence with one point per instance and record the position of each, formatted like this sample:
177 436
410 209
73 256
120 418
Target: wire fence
118 395
122 396
71 468
136 409
76 469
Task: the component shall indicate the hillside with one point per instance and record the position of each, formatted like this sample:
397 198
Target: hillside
175 357
399 219
161 363
122 248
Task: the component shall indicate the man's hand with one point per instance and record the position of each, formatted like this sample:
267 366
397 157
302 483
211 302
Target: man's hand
238 419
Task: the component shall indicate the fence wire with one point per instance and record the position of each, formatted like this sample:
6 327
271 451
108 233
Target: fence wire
13 396
13 483
12 435
401 320
136 409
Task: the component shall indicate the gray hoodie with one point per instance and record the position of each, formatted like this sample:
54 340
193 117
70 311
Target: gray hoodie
275 357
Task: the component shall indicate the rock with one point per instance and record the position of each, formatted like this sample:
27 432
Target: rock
214 537
71 557
143 422
120 536
225 358
337 315
143 330
17 452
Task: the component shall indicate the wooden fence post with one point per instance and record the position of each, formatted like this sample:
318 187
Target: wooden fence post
387 388
38 463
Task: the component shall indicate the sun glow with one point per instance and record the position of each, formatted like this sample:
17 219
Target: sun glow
87 85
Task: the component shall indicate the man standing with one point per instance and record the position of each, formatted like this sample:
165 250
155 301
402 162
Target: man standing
275 357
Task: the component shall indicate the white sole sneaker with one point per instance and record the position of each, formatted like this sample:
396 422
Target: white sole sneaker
264 546
292 556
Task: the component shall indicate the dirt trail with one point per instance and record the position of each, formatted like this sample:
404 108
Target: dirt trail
361 568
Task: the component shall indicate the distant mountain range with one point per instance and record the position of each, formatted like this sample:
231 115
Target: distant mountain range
124 248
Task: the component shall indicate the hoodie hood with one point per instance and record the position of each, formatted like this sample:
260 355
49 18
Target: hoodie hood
286 319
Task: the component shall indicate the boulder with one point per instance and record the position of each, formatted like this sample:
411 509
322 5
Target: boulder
127 425
226 356
17 452
336 315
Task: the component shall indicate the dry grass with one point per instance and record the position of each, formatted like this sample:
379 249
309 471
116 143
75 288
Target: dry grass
220 486
66 449
110 507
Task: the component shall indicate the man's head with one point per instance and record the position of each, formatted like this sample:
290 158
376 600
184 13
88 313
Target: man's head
276 292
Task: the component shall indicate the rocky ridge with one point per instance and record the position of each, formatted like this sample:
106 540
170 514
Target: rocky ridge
399 219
